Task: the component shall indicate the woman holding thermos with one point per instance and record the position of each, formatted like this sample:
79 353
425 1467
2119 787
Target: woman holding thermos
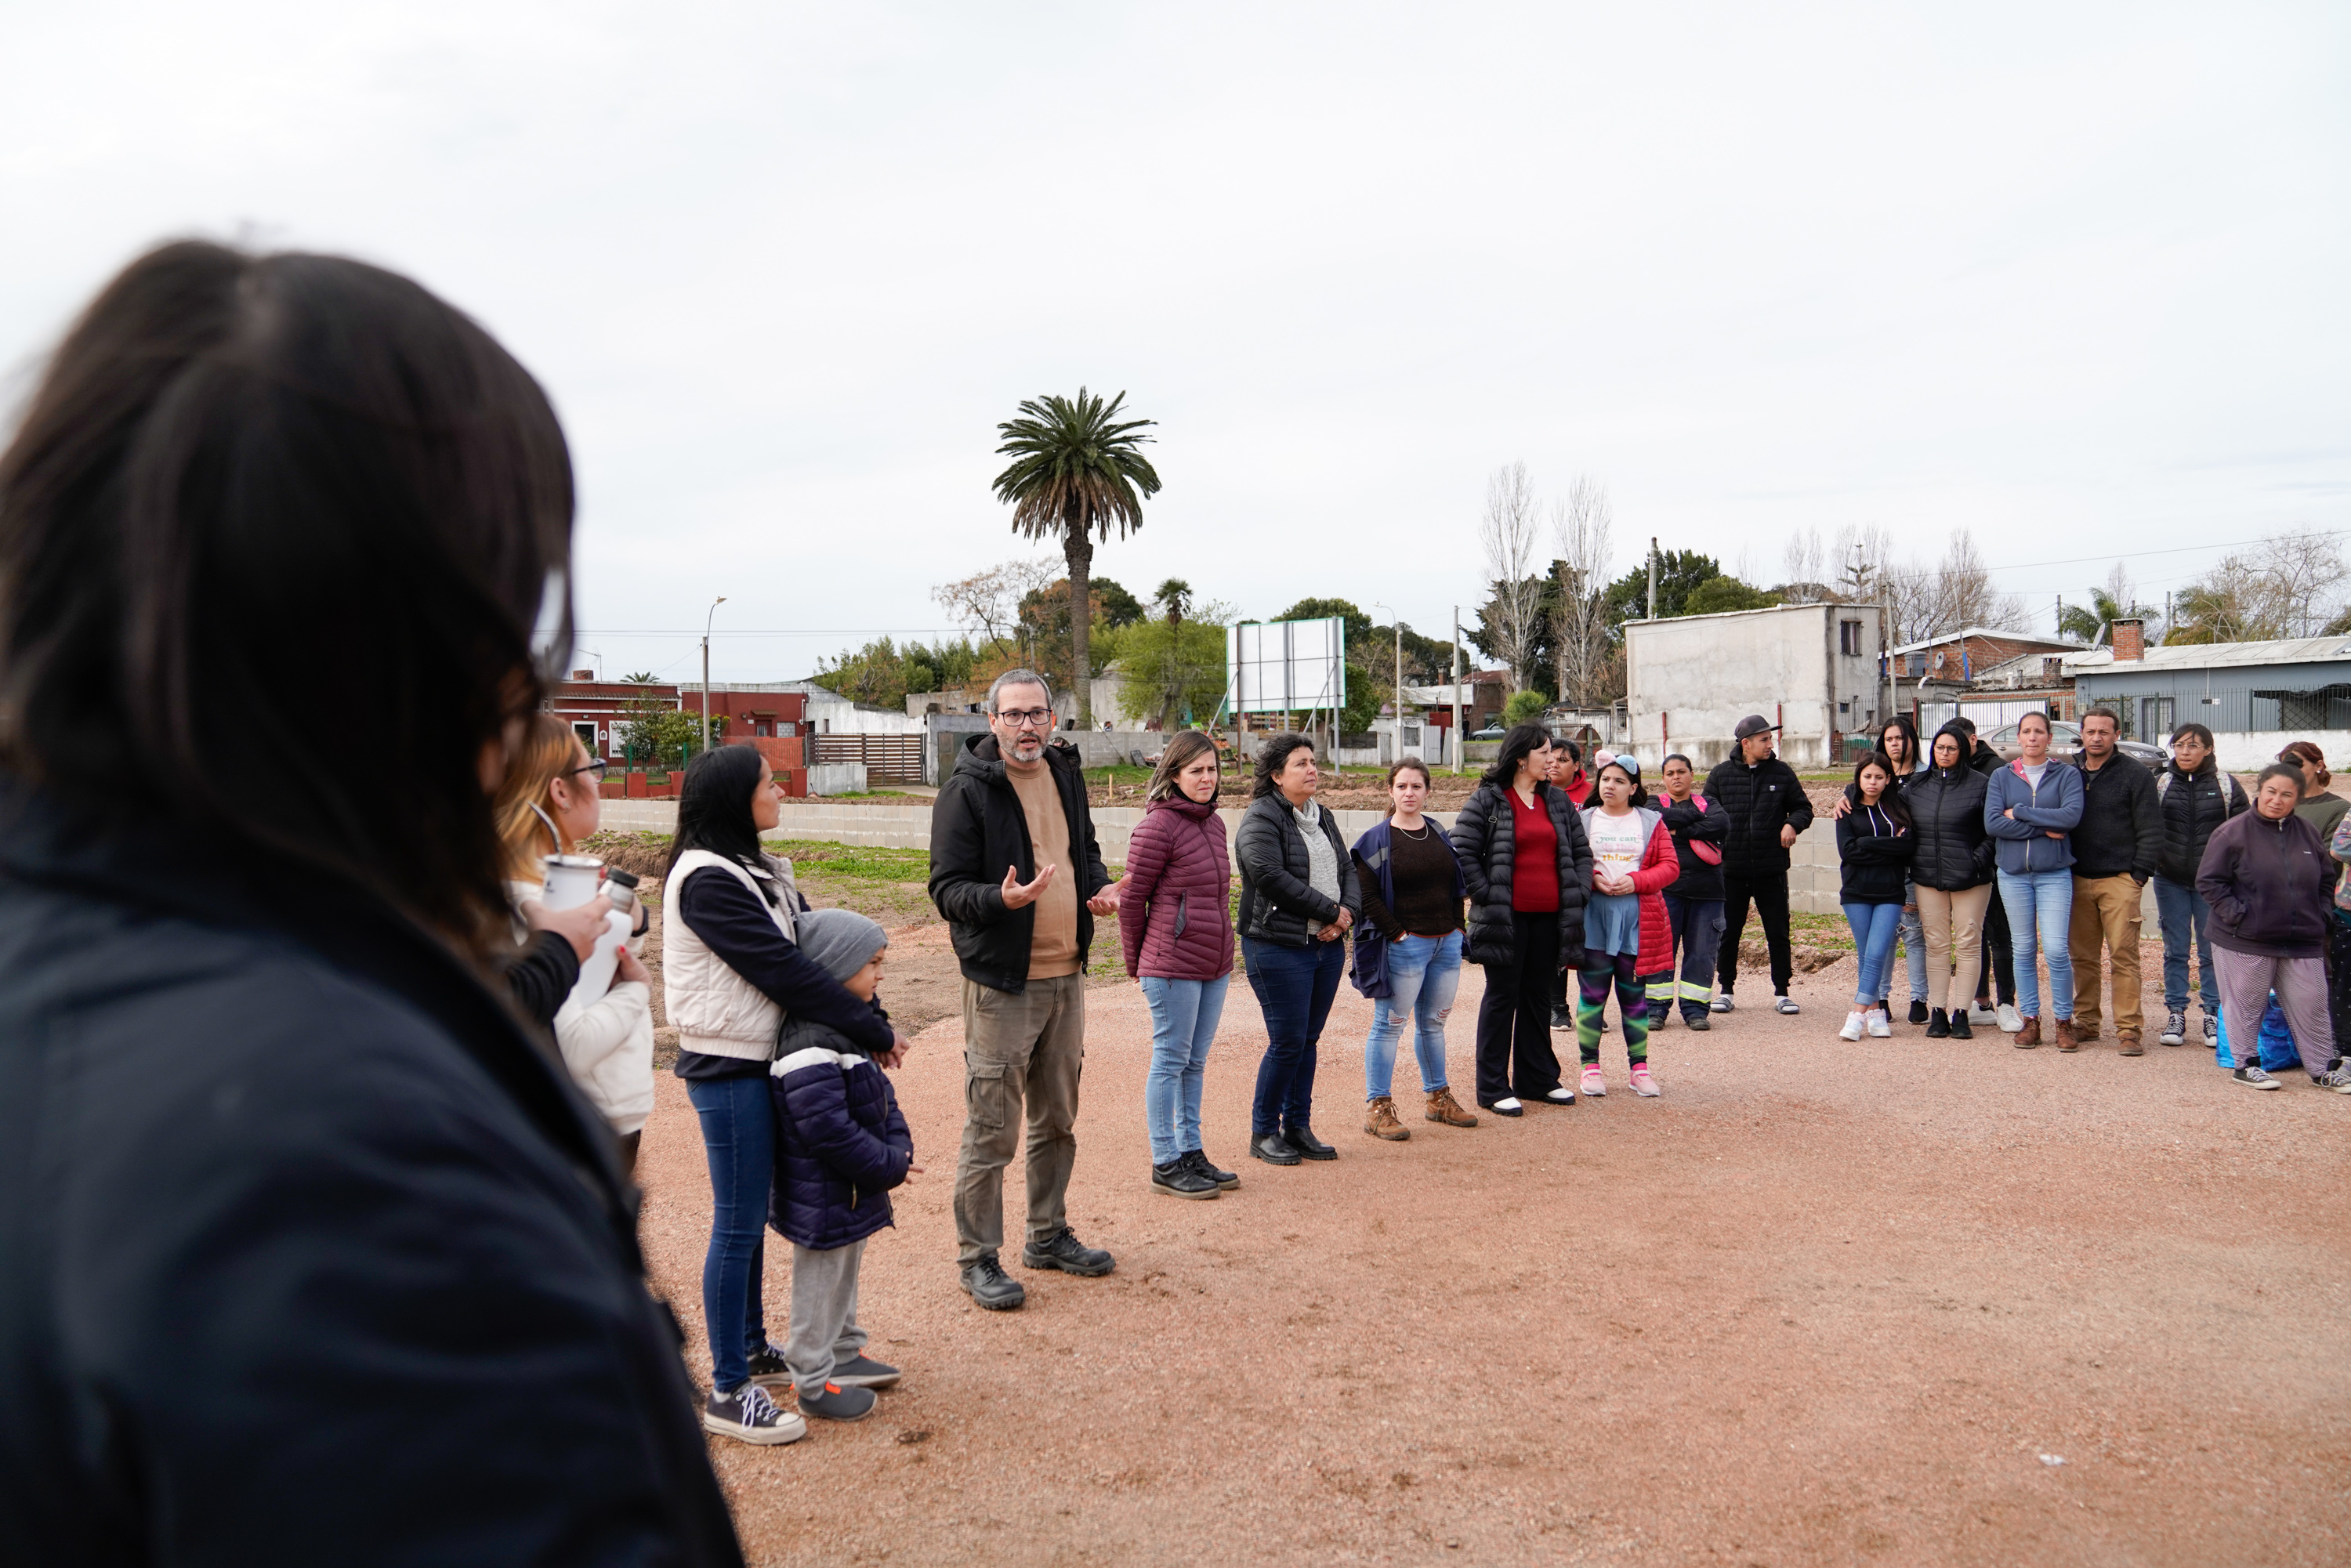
1524 856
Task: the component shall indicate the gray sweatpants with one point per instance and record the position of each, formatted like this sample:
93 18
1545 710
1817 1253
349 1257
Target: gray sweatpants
2246 981
824 1313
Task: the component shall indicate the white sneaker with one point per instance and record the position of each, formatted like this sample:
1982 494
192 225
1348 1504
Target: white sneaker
2011 1020
1982 1013
2252 1077
1852 1030
1562 1095
1880 1026
2336 1077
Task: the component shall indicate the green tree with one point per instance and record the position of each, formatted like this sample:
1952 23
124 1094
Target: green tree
661 735
1368 677
1078 471
1175 670
1680 573
1524 707
2083 623
1717 595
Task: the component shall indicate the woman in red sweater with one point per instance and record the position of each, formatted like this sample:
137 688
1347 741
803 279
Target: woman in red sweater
1627 939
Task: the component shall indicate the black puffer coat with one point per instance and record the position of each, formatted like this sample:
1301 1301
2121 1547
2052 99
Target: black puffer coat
1277 899
1759 801
841 1142
1699 880
1483 840
2193 804
1946 808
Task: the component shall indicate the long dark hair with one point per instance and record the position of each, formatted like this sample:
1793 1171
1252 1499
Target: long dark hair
1889 799
1273 756
1523 739
713 805
1901 721
1967 744
1632 772
247 489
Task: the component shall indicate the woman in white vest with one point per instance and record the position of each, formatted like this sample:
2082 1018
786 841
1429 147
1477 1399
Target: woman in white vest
731 972
605 1028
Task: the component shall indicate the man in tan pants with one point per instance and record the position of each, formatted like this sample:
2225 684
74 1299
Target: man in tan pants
2116 849
1017 871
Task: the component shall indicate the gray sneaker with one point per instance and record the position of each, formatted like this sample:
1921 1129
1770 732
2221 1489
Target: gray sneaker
2211 1031
748 1416
861 1371
2337 1078
2252 1077
2175 1028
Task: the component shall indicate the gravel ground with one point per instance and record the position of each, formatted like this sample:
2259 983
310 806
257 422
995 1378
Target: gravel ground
1820 1303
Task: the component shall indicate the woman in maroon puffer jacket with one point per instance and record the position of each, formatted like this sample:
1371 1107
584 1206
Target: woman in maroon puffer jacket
1174 921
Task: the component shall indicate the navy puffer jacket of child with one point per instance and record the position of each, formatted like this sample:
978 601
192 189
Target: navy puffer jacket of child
840 1142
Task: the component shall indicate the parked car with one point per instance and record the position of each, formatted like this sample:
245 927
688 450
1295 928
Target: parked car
1494 731
2065 739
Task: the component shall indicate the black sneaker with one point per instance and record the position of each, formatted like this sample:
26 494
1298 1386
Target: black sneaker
1698 1021
1303 1140
861 1371
1178 1179
834 1402
1919 1012
1938 1023
1561 1019
748 1416
1273 1149
1071 1256
988 1284
767 1369
1960 1027
1227 1180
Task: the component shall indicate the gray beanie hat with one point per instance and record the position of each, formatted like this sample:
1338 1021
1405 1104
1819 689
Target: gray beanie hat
840 941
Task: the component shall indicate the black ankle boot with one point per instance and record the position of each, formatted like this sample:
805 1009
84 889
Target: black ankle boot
1938 1025
1960 1027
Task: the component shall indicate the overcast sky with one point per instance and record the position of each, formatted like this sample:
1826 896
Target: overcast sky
2072 277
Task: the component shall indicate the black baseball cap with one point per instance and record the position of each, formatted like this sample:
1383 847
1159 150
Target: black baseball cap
1753 724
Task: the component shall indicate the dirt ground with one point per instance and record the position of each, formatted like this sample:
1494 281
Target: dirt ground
1903 1302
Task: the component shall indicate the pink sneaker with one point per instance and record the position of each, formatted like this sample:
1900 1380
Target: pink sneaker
1642 1085
1593 1084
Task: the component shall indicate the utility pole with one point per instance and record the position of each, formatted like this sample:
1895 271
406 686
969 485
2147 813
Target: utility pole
2166 615
1460 748
705 669
1653 580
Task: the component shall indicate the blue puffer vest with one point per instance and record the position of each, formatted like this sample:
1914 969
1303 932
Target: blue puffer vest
840 1142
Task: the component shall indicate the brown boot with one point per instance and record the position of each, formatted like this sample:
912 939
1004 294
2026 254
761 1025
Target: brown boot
2066 1039
2029 1035
2127 1043
1444 1109
1380 1121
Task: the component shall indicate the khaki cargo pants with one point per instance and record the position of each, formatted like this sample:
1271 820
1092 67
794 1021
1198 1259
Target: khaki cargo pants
2105 914
1025 1047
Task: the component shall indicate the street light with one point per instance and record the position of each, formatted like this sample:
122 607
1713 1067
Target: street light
705 669
1398 622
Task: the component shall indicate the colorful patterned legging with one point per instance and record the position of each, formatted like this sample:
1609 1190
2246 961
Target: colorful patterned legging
1600 971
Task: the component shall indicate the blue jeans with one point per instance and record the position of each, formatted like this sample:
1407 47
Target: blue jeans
1914 944
1423 972
1183 1016
1875 926
1295 986
2182 910
1697 926
738 1135
2041 901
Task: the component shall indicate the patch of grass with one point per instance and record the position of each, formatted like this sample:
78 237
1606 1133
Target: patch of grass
853 863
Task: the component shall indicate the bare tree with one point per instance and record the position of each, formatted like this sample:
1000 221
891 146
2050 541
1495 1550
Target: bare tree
1507 534
989 602
2300 572
1582 526
1806 563
1963 591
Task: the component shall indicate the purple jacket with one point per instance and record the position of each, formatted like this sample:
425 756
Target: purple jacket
2266 883
1175 911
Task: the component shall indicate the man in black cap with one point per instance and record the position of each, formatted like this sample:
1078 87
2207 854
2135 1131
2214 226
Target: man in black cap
1768 807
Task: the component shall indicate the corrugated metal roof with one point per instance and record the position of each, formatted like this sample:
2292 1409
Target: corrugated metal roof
2053 644
2216 655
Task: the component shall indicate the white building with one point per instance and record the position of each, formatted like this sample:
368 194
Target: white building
830 713
1811 668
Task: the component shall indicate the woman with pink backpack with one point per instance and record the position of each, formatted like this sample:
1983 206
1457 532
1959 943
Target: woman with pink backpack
1694 902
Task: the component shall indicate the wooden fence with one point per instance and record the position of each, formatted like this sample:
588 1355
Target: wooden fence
895 757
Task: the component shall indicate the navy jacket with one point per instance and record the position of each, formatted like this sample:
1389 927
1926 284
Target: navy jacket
307 1247
1368 966
841 1144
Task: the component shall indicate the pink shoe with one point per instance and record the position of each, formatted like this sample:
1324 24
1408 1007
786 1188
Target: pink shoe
1642 1085
1593 1084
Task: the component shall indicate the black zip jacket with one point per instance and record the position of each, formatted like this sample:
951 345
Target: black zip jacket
2193 805
304 1239
2121 830
1698 881
1953 852
1485 840
1277 901
1759 801
978 830
2267 883
1874 851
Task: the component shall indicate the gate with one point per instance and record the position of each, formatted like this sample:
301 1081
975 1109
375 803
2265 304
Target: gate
896 758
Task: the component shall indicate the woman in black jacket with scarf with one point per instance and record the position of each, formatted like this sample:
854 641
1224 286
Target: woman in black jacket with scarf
1951 870
1526 923
1298 896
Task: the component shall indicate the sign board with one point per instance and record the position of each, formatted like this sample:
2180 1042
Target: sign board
1286 666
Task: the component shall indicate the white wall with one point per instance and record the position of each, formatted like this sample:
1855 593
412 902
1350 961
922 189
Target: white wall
1691 679
2251 750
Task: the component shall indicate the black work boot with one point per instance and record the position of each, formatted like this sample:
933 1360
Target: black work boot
1198 1161
1176 1178
1273 1149
986 1283
1303 1140
1064 1251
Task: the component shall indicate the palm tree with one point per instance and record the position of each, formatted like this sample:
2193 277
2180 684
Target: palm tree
1076 470
2084 623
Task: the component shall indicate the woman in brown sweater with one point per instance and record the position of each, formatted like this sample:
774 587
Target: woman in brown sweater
1408 950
